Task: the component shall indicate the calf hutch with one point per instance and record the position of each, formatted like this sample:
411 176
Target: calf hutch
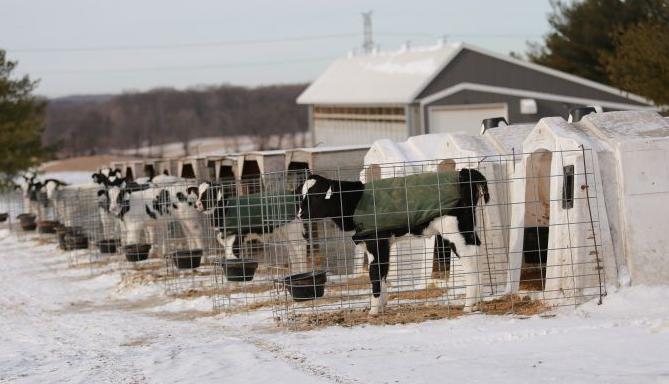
491 154
221 167
323 160
165 166
251 166
594 187
445 88
192 167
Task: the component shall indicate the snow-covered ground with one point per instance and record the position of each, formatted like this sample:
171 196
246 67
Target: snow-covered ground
62 324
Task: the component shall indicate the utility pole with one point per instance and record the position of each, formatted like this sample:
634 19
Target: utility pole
368 41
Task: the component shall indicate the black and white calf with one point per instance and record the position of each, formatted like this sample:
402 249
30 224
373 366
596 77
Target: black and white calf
39 195
324 198
151 207
106 178
27 187
216 201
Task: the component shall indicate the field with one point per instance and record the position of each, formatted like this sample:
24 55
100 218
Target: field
62 324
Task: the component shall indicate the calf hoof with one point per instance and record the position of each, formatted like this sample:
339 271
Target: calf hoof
377 306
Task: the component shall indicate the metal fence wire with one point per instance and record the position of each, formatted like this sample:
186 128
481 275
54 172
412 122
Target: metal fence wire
239 234
516 233
538 239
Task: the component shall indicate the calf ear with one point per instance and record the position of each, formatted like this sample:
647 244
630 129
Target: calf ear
190 190
101 192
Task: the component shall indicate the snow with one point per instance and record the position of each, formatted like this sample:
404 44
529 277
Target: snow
380 77
61 324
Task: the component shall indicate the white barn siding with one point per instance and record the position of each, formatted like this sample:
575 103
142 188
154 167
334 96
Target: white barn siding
336 125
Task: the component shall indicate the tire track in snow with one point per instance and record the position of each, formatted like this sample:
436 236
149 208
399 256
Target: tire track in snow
295 359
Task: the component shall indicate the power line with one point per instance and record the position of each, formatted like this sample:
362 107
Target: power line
178 68
293 39
184 45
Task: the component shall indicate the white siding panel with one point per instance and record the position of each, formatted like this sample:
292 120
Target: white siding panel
348 132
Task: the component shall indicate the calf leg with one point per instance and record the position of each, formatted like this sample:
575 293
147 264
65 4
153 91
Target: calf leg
297 246
379 249
467 247
228 244
192 228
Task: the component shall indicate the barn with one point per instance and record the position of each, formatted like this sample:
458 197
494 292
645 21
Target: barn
441 89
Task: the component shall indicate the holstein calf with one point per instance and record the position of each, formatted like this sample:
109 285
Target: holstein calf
106 178
152 207
239 219
29 194
377 212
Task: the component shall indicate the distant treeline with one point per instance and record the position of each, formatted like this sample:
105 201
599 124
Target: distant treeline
86 125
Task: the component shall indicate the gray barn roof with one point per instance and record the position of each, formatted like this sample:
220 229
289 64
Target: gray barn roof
426 74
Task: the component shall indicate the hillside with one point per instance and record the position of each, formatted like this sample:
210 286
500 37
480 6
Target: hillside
97 124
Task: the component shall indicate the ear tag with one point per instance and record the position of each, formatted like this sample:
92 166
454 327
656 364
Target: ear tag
328 194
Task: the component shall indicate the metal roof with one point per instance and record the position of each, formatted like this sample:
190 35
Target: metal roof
378 78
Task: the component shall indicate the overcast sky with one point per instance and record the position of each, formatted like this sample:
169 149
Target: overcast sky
85 46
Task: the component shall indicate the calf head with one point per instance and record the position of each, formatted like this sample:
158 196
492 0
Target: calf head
106 175
162 202
52 186
322 198
119 191
473 186
103 199
27 183
207 196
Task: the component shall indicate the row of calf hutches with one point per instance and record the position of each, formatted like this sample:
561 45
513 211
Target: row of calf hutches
581 202
584 200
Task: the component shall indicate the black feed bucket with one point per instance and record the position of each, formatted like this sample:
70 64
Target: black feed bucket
187 259
75 241
27 221
108 246
239 269
47 226
137 252
306 286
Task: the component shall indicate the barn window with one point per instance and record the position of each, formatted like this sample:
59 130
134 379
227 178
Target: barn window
568 187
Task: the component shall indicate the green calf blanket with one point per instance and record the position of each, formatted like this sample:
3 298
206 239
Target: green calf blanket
405 202
258 211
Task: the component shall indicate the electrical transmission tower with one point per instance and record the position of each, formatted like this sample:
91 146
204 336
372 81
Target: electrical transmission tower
368 42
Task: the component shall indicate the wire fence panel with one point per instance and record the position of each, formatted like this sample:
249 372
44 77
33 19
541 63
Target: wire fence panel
395 242
415 237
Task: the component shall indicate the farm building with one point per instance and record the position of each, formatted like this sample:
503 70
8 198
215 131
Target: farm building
441 89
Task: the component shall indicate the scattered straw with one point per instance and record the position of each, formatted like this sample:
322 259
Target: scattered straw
405 314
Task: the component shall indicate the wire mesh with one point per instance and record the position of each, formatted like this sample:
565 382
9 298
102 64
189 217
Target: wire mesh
538 240
308 251
239 234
